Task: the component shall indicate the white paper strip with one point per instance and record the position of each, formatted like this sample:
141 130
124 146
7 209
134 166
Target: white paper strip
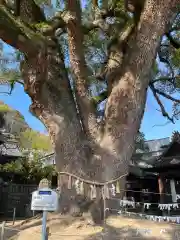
77 186
147 205
125 203
168 206
174 219
113 190
177 197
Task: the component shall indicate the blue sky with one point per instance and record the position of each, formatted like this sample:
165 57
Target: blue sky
152 124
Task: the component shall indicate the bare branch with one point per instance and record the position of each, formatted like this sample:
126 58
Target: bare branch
165 79
20 82
7 93
99 23
6 82
174 42
165 59
163 111
58 22
161 125
167 95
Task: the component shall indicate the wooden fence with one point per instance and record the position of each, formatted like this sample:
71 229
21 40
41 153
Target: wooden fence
18 197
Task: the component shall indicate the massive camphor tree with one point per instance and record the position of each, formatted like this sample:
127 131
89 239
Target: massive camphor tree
77 55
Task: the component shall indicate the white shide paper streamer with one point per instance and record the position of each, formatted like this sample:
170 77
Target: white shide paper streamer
174 219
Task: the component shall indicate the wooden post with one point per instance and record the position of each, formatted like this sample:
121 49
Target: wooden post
14 215
173 191
3 230
104 203
161 189
161 192
142 196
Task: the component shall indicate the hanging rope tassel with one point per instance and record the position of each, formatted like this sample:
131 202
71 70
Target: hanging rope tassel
105 192
93 192
117 187
82 188
69 182
77 187
59 184
113 190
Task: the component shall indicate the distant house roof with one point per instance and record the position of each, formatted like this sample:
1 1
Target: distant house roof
49 159
157 145
10 149
9 146
170 157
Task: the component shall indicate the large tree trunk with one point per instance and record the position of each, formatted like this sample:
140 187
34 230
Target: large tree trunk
108 157
95 155
54 105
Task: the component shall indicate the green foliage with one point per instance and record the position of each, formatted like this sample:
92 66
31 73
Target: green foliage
41 25
46 2
12 167
32 170
120 5
140 143
4 107
176 58
30 139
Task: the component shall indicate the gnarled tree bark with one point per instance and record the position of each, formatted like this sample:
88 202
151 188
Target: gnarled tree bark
81 146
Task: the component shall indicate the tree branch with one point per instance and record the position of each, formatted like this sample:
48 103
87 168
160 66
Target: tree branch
58 22
17 34
79 67
173 41
163 111
165 95
116 50
165 79
164 59
95 3
54 24
126 102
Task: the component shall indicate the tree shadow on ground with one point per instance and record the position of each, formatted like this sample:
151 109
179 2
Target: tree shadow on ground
10 233
116 228
128 233
61 220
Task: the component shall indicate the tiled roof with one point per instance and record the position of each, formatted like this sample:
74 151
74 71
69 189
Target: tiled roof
157 144
49 159
10 149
